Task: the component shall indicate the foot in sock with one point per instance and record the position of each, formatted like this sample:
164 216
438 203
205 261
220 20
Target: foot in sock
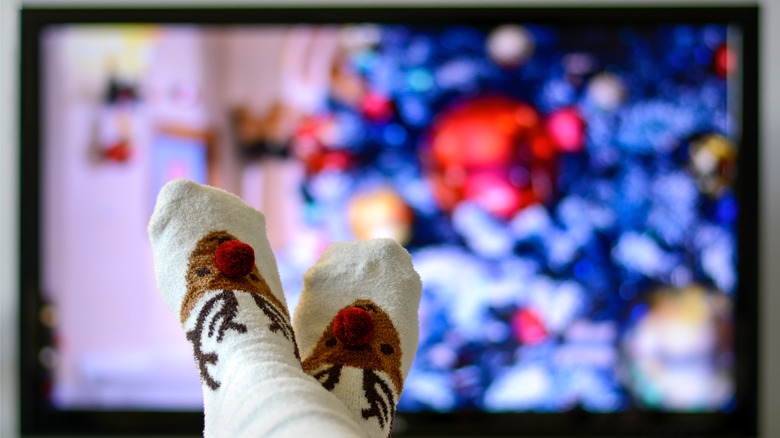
217 274
357 327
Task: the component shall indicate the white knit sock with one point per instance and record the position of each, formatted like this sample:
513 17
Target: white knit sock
231 306
357 326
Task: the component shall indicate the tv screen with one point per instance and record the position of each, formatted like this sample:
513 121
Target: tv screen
577 189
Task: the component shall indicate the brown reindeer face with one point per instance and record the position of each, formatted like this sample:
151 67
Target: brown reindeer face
382 353
203 275
228 274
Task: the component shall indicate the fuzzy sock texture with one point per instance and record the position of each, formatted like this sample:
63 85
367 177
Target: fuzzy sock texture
216 273
363 363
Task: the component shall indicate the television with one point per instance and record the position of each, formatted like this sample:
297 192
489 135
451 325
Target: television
577 188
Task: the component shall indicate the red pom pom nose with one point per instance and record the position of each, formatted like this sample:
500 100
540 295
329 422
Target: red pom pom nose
353 327
234 258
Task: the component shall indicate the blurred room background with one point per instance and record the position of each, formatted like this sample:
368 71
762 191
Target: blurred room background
183 101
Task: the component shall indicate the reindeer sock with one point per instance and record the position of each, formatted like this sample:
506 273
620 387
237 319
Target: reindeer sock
217 274
356 324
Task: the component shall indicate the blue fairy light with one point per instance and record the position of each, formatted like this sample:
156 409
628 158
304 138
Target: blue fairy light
394 134
420 80
654 127
414 111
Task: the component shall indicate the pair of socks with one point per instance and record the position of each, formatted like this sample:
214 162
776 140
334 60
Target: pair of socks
336 370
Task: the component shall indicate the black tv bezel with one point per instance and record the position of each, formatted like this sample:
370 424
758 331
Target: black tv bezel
39 417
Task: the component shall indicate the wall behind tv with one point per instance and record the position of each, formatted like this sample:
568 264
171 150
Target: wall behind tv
769 360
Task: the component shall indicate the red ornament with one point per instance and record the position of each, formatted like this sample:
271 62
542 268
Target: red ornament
234 258
543 146
119 152
309 128
725 60
353 327
479 133
567 130
479 150
377 107
328 160
528 327
316 144
494 192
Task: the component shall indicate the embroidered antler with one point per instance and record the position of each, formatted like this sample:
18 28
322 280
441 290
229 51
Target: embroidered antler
329 377
381 406
278 320
226 314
